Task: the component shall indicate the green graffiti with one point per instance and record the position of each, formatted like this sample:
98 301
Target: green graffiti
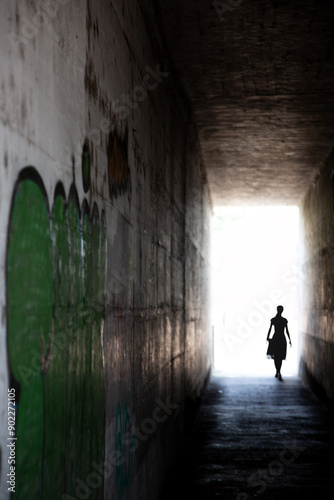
29 290
55 380
76 356
88 333
56 272
97 352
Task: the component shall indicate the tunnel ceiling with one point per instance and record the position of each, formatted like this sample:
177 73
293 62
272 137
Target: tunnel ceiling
260 77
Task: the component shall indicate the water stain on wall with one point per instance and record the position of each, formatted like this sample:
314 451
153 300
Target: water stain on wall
85 165
56 273
118 168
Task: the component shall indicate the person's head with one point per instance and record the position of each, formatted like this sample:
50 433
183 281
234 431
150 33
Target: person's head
279 309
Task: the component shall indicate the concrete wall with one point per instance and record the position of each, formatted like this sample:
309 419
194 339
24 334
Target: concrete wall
316 275
104 224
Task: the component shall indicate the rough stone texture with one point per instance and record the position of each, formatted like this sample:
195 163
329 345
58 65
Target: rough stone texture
260 78
73 89
316 277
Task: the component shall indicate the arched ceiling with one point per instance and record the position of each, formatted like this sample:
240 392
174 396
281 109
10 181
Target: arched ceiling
260 77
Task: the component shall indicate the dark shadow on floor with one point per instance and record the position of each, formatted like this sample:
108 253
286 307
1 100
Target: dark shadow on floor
257 438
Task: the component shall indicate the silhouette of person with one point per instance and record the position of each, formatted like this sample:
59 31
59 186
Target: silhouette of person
277 344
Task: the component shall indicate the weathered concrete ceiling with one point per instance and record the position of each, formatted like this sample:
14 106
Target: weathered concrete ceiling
261 81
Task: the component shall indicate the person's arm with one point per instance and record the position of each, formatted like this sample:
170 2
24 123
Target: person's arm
269 331
288 334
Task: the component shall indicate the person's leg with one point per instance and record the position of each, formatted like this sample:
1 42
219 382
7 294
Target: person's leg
278 364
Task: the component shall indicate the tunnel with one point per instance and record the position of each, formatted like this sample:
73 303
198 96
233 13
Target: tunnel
124 127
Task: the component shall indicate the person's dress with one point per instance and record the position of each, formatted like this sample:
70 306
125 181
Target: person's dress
277 345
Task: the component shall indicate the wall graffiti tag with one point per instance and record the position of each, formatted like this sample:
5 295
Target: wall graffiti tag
56 273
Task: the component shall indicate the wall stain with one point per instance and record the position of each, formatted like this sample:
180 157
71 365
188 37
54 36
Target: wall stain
91 81
23 111
118 169
89 22
85 166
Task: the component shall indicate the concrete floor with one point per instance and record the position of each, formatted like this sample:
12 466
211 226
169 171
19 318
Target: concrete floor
257 438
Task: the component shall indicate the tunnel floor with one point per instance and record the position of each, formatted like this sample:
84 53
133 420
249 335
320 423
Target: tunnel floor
257 438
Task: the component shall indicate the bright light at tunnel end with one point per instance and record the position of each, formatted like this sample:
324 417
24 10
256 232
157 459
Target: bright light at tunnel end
254 264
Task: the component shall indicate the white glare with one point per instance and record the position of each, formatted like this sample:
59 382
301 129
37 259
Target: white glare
254 269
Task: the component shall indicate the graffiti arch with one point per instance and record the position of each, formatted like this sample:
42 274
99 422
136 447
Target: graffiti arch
55 277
